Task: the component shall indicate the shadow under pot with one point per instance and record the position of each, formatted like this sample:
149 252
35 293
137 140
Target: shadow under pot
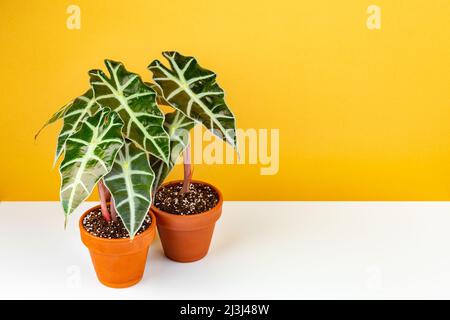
118 263
187 237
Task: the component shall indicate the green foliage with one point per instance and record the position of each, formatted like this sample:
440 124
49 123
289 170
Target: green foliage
116 132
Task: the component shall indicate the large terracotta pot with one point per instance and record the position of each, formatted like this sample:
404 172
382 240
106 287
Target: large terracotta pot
119 263
186 238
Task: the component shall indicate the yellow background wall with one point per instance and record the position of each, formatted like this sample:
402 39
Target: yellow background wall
363 114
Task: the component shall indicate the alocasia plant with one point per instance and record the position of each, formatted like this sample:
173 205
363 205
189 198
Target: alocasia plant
107 137
115 136
193 91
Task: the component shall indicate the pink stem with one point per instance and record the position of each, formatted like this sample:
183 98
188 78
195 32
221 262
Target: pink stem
112 207
103 193
187 169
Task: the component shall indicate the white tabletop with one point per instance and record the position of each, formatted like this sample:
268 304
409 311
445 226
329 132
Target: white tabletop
260 250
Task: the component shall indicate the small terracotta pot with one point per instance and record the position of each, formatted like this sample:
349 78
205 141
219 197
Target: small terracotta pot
186 238
119 263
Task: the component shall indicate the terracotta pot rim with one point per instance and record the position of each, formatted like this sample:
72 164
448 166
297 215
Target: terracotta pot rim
150 229
189 216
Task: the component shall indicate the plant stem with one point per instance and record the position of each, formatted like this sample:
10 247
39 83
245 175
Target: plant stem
187 169
112 206
103 193
113 210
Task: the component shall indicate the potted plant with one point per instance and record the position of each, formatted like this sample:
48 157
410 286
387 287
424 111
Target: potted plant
186 211
115 137
107 136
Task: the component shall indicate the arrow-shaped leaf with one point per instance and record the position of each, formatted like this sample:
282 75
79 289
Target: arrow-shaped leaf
193 90
178 126
130 183
135 102
89 155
